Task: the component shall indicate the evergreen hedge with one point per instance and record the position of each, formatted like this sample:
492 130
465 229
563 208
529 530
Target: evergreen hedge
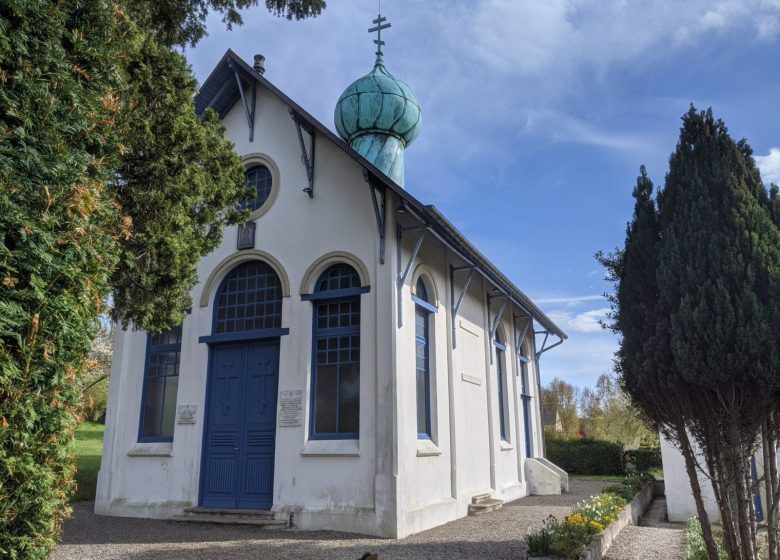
643 459
57 246
585 455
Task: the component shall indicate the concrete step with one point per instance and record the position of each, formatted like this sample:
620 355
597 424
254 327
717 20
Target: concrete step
480 498
485 506
257 517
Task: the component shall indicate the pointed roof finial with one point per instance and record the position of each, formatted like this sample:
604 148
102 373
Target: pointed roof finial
379 26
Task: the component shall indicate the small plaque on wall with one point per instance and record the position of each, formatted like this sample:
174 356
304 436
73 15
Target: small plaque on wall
185 413
290 408
246 236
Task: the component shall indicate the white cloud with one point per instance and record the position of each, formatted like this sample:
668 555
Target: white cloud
580 359
768 28
562 127
558 36
586 321
770 166
569 300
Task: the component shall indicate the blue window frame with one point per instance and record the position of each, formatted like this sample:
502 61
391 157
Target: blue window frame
422 360
161 383
335 395
525 395
503 421
249 299
259 177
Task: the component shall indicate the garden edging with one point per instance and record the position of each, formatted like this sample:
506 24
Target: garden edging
598 547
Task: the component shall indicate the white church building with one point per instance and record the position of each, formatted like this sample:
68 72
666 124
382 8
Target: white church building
350 362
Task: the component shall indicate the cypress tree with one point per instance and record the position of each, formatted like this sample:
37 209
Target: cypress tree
697 304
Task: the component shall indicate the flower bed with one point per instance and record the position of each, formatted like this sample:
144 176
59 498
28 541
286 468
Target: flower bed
588 532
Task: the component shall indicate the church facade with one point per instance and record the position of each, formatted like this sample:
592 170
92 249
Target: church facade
350 362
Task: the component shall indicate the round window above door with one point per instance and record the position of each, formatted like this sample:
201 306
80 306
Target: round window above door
260 179
262 176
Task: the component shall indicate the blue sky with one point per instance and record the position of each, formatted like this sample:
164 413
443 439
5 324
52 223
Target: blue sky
537 116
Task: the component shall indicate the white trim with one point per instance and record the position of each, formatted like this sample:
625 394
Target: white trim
157 449
426 448
332 447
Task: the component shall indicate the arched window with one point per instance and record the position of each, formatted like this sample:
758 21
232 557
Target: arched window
249 299
422 359
525 395
259 177
503 421
336 360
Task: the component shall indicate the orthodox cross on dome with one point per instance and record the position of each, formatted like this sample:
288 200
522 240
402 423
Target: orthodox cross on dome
380 25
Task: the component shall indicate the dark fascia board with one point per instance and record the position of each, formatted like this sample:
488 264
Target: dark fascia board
428 213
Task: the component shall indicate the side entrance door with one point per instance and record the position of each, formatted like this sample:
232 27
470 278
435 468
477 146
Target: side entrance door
240 429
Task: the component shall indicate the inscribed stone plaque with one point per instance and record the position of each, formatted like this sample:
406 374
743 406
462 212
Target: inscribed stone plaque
185 413
290 408
246 236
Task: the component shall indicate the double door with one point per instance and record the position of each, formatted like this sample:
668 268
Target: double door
240 429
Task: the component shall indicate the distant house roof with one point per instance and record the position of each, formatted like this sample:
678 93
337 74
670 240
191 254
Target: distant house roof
552 419
220 92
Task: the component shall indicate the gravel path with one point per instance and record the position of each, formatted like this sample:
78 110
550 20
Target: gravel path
655 537
496 535
641 543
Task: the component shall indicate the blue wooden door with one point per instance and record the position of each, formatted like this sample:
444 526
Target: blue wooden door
240 429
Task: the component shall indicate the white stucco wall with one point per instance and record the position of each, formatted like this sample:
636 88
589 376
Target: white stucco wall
466 456
679 496
332 483
388 482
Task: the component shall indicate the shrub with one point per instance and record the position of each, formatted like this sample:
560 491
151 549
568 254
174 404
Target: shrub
585 455
643 459
540 543
625 492
629 486
95 401
602 509
695 547
637 481
567 538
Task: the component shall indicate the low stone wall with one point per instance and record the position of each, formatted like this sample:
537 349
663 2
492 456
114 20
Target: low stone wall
598 547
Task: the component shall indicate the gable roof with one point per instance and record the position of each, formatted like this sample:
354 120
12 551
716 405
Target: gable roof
220 92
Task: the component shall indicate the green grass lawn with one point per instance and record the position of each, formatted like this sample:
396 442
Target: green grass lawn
605 477
89 448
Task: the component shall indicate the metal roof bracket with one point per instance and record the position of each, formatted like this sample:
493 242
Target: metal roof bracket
250 112
545 348
406 269
455 306
379 211
307 157
493 325
520 338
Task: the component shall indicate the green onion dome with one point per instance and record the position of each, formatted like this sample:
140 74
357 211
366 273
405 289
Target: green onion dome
378 102
378 115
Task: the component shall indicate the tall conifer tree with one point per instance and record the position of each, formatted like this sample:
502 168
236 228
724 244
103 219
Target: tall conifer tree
700 356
